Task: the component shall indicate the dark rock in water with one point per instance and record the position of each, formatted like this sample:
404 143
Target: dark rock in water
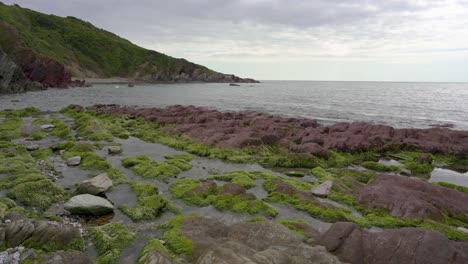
131 85
234 84
262 242
299 135
395 246
410 198
12 79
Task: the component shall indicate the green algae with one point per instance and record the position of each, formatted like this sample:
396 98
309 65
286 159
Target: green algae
150 205
186 157
89 159
295 225
176 242
151 169
42 193
452 186
372 165
246 179
92 128
116 175
109 241
152 245
184 189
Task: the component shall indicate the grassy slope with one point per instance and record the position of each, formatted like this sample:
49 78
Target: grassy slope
79 45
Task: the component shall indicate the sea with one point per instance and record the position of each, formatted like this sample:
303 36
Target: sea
398 104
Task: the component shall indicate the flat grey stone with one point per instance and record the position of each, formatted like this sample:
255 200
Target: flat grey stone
74 161
47 126
97 185
323 190
32 147
88 204
114 150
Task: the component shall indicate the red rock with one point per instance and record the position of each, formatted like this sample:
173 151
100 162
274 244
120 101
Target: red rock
240 129
395 246
410 198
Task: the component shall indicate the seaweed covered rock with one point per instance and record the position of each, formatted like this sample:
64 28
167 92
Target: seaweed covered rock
249 128
410 198
261 242
405 245
43 235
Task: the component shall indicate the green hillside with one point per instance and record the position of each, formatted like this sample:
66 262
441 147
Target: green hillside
87 51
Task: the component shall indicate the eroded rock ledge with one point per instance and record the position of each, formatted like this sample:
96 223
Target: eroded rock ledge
405 245
300 135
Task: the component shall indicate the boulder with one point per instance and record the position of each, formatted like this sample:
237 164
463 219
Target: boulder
47 126
323 190
32 147
89 204
74 161
410 198
114 150
95 186
393 246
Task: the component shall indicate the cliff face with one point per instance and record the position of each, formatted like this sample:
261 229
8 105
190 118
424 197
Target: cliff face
51 50
12 79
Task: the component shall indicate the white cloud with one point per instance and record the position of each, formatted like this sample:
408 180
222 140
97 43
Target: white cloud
276 31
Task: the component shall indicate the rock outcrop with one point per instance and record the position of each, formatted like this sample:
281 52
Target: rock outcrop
12 79
411 198
394 246
300 135
261 242
38 234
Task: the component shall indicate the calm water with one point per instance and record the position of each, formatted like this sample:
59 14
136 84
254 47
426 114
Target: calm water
396 104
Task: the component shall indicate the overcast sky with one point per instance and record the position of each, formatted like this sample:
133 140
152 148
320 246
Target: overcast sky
385 40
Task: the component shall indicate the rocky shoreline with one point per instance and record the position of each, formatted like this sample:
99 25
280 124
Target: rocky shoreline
299 135
113 184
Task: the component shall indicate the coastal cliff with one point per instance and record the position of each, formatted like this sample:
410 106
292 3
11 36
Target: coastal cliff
51 50
12 78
